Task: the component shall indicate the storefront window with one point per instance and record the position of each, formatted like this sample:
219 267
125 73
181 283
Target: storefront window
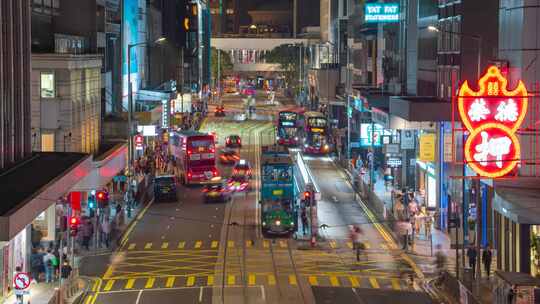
47 85
535 250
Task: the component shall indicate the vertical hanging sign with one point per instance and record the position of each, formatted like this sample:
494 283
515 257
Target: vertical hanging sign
492 115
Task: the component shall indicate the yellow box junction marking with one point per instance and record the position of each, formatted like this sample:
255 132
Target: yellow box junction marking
334 281
132 246
395 284
181 245
266 243
109 285
170 282
271 279
148 246
230 244
130 284
231 280
210 281
350 245
249 243
374 283
354 281
150 283
190 281
282 244
292 279
214 244
332 244
165 245
251 279
313 281
198 244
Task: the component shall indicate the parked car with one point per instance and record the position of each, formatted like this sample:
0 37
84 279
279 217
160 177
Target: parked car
165 188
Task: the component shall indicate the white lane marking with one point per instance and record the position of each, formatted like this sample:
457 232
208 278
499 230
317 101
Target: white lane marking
200 295
263 295
139 297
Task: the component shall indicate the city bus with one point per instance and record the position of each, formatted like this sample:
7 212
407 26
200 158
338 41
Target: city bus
195 156
288 123
278 192
315 133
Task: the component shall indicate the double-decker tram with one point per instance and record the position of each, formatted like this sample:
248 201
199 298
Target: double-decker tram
277 200
315 133
195 156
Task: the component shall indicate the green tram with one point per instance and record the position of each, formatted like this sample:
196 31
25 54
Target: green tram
278 192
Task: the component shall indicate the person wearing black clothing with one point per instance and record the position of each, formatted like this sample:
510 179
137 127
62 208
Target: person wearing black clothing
471 254
66 270
486 259
304 218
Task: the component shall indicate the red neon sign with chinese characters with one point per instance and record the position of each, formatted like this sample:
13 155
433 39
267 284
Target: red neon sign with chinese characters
492 115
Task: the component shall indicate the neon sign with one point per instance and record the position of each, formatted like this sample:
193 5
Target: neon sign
381 12
492 115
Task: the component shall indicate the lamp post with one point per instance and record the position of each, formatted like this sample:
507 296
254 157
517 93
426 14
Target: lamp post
476 183
130 101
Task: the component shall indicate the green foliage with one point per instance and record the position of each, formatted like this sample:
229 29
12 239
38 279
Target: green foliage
225 62
287 56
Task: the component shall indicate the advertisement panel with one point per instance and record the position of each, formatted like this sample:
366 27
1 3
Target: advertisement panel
381 12
369 131
427 147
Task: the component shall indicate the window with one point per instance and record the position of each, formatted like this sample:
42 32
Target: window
47 142
47 85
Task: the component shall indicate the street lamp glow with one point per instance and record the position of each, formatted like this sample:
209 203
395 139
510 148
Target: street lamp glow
160 40
253 27
432 28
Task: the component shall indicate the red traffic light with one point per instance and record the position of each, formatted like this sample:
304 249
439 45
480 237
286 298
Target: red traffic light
100 195
74 221
307 194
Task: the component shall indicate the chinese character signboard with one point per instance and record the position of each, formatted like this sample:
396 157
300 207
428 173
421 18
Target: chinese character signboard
381 12
492 115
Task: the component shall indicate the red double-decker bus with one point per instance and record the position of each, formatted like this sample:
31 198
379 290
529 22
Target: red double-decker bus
315 133
195 156
288 125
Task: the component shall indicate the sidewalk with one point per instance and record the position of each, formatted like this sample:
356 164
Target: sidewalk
424 248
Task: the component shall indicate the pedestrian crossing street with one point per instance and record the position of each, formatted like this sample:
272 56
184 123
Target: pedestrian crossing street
264 244
251 279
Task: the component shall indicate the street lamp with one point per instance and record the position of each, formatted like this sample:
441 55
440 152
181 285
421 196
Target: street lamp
160 40
475 37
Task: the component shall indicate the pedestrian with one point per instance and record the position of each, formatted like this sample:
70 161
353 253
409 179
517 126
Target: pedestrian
49 268
304 218
66 270
356 235
106 231
36 236
18 297
119 216
471 254
36 264
511 295
87 232
56 263
486 259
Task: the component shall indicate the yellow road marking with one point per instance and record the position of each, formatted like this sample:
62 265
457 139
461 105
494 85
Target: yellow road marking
165 245
271 279
292 279
230 244
313 281
350 245
190 281
332 244
384 246
94 287
109 285
395 284
214 244
251 279
181 245
150 283
148 246
374 283
282 244
129 284
170 282
210 281
88 300
266 244
231 280
132 246
249 243
198 244
354 281
334 281
367 245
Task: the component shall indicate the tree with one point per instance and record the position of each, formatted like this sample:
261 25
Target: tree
286 55
225 62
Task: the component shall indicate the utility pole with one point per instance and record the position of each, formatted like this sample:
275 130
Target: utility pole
349 110
218 80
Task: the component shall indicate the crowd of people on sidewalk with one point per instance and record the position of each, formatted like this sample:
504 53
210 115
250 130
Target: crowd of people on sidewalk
45 261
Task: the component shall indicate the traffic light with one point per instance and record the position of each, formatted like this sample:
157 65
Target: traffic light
74 225
307 198
102 198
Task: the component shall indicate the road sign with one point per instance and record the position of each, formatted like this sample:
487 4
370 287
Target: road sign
21 280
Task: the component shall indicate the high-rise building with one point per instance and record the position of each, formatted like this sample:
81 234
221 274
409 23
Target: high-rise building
15 135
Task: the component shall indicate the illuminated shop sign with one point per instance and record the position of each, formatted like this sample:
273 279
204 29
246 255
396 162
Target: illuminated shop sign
492 115
381 12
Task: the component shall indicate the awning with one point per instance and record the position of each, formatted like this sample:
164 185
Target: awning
103 170
518 200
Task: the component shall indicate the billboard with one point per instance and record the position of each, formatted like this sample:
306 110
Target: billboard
134 31
381 12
